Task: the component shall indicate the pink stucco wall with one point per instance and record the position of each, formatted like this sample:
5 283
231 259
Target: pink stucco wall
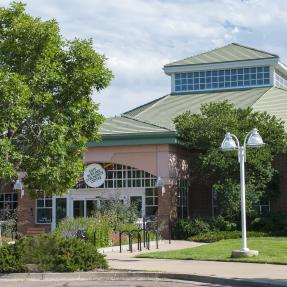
151 158
167 161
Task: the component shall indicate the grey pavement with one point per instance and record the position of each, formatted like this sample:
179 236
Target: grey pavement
126 270
110 284
253 272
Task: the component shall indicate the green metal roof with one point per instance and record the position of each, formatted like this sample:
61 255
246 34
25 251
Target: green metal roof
136 139
274 102
128 125
229 53
164 111
153 123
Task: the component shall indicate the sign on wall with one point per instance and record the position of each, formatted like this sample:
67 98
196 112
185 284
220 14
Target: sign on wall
94 175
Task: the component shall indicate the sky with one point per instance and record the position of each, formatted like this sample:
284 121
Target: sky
140 36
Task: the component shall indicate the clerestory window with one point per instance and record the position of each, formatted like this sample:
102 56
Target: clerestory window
222 79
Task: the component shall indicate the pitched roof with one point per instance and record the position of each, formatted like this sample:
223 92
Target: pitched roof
127 125
229 53
162 112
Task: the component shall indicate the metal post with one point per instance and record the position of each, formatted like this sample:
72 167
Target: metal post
120 234
130 243
144 231
138 240
169 231
242 190
147 243
95 239
156 239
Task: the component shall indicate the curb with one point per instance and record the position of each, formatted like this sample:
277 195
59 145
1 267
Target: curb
137 275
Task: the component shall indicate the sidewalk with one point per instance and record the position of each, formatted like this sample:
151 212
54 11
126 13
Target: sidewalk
266 273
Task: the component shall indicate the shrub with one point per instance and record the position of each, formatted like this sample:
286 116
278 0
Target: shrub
220 235
185 228
10 259
274 222
69 227
115 213
220 224
69 255
51 253
9 222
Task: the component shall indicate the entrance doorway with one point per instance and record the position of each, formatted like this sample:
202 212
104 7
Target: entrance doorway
83 202
84 207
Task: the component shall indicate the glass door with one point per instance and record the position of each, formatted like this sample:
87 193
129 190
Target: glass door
91 207
78 208
61 209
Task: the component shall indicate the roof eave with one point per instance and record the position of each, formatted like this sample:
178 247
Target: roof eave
219 65
126 139
281 67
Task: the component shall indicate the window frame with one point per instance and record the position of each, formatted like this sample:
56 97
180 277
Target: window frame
222 79
44 207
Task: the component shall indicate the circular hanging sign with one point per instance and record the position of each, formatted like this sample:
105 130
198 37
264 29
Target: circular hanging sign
94 175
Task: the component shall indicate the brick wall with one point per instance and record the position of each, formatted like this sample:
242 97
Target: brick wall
26 216
200 199
167 209
280 202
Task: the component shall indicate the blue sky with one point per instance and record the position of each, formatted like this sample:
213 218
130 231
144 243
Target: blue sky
139 36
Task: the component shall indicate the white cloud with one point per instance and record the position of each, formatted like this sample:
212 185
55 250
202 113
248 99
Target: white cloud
140 36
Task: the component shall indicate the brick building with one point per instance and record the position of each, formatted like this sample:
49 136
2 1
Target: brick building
141 146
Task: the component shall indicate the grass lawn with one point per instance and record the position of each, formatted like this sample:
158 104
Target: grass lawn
271 250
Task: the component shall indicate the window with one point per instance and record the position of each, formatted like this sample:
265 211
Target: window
151 201
222 79
263 208
280 80
44 210
121 176
182 199
8 203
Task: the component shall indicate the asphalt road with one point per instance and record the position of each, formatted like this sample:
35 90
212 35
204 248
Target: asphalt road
107 284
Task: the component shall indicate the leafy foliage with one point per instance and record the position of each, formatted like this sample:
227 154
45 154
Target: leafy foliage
203 133
10 259
273 222
185 228
214 236
69 227
47 114
103 224
51 253
117 214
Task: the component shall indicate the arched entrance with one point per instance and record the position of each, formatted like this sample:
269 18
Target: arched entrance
123 183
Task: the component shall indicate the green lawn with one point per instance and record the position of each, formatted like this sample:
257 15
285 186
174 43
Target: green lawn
271 250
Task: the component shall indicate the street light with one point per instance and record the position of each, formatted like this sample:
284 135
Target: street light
231 142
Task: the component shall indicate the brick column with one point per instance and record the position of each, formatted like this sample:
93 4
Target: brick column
167 208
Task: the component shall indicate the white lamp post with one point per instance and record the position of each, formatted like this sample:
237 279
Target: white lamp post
231 142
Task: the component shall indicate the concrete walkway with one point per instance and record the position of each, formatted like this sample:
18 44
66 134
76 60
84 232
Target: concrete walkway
268 273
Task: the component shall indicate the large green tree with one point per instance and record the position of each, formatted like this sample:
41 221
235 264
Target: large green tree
47 114
203 133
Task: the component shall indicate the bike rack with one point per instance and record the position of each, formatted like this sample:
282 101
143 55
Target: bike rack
141 232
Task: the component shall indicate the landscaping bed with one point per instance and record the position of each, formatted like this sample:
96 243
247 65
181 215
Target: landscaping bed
50 252
271 250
